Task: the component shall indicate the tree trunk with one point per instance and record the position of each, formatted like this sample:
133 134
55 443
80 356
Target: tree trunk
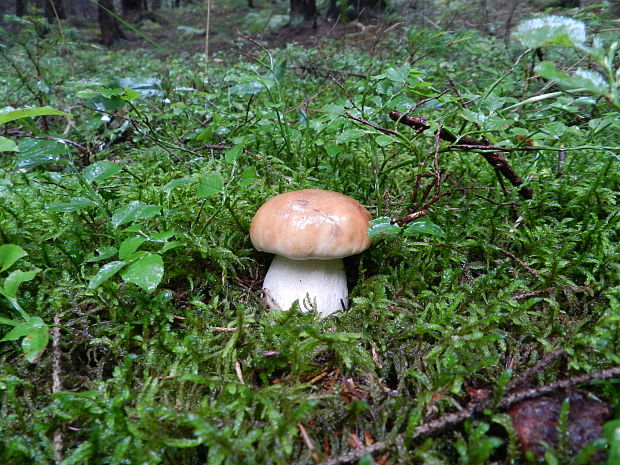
359 9
53 9
108 24
302 11
20 7
131 6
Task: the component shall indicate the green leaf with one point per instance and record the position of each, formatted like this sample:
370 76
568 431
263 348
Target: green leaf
210 184
100 170
106 272
103 254
12 281
38 152
11 114
231 155
399 74
248 176
384 141
423 227
170 245
74 204
134 211
20 330
129 246
36 340
582 78
9 254
147 272
551 30
7 145
382 227
170 185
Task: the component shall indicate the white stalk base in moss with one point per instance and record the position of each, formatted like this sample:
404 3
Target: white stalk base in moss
320 284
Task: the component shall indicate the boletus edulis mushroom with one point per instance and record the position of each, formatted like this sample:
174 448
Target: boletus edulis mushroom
309 231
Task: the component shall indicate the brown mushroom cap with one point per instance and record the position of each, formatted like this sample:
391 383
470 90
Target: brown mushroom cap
311 224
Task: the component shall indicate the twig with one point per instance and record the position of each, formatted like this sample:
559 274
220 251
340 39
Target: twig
57 384
541 365
549 290
239 372
372 125
473 408
520 262
496 159
308 440
314 69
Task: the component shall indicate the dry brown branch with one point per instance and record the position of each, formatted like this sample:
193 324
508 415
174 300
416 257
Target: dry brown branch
496 159
549 290
372 125
57 384
520 262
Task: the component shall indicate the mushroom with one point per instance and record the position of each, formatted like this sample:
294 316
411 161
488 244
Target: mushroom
310 231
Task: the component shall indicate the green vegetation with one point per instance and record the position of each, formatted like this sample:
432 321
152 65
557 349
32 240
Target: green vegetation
125 232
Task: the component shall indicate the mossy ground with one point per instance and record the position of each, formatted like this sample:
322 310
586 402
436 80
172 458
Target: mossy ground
198 370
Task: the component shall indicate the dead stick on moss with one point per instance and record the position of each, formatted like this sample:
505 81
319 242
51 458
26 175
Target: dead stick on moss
473 408
57 383
496 159
372 125
520 262
541 365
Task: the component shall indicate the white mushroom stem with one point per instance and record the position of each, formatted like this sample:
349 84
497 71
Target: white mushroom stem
315 283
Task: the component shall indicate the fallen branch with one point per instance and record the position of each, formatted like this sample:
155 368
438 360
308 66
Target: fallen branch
496 159
475 407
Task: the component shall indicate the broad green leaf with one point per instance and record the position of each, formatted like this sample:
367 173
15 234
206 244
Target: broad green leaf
248 176
72 205
100 171
384 140
20 330
129 246
333 149
38 152
210 184
6 321
106 272
102 254
349 135
36 340
399 74
9 254
382 227
423 227
7 145
134 211
170 185
146 272
11 114
581 79
551 30
162 236
231 155
12 281
170 245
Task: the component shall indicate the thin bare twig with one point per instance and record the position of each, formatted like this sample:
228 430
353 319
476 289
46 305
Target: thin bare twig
520 262
58 440
372 125
496 159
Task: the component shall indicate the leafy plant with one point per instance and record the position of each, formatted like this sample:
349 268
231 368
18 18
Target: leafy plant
567 32
33 332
